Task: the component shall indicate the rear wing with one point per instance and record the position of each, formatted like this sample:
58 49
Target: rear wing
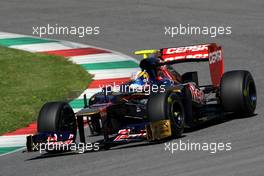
197 53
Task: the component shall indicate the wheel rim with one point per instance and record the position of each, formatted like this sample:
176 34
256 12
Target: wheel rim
176 113
251 93
67 120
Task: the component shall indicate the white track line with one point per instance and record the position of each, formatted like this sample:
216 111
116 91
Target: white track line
42 47
113 73
13 141
98 58
4 35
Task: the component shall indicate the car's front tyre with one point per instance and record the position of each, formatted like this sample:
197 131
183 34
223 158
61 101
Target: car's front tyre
167 105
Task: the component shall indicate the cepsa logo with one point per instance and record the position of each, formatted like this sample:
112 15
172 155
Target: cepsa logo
215 56
186 49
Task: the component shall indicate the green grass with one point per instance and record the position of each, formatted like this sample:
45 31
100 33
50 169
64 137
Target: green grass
28 80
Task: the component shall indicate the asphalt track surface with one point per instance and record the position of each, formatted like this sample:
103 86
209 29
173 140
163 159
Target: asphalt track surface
129 25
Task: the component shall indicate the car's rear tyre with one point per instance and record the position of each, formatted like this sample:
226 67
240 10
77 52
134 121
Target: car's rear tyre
238 92
167 105
56 117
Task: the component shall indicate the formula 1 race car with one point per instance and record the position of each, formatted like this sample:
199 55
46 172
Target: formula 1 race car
155 105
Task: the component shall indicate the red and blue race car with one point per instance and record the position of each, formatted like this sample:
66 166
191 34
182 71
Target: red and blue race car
156 104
